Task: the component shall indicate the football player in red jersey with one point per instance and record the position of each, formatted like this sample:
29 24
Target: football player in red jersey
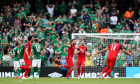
69 58
81 51
26 57
113 48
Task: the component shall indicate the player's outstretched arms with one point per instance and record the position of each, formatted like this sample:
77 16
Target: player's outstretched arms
102 50
126 52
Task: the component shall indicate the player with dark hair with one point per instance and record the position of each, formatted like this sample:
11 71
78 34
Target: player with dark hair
69 58
36 62
16 61
26 57
113 48
21 53
81 51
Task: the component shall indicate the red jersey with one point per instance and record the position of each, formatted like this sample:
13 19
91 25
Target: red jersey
27 45
113 50
71 51
81 54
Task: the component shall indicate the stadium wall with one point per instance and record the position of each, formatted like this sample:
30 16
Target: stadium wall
45 72
54 72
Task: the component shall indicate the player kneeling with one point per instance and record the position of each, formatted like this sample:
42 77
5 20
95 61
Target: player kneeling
36 62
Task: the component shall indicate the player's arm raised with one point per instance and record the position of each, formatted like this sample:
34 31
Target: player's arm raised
69 45
77 51
126 52
102 50
86 52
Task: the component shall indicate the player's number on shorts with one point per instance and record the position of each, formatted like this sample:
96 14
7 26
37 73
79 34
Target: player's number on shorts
37 48
113 47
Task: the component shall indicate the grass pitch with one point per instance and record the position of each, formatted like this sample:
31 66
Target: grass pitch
69 81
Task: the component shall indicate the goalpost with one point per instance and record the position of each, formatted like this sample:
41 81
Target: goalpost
95 63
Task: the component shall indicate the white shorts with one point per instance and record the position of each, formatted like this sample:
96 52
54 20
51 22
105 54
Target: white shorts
21 61
36 63
16 64
6 58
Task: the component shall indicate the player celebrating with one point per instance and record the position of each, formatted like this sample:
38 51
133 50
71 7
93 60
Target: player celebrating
26 57
111 58
16 61
81 51
36 62
21 53
69 58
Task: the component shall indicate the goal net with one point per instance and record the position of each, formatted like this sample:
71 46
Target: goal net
125 65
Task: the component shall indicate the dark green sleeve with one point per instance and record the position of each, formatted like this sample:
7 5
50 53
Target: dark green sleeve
41 47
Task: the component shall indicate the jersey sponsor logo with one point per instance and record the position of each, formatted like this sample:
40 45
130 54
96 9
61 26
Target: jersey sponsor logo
55 75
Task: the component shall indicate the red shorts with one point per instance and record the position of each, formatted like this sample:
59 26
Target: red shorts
27 62
111 62
69 62
80 62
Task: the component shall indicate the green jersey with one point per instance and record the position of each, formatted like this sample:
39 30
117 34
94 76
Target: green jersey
37 49
21 51
15 52
135 62
119 26
63 8
133 43
1 55
120 61
122 31
94 29
43 59
129 31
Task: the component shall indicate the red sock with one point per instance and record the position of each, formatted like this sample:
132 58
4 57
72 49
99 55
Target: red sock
66 66
69 73
108 72
105 69
24 67
26 72
82 71
78 69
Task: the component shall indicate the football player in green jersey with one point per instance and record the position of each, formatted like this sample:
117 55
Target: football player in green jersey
15 55
36 62
21 53
1 53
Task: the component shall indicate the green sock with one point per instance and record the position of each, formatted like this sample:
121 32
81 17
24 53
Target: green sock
14 73
38 71
32 72
18 72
